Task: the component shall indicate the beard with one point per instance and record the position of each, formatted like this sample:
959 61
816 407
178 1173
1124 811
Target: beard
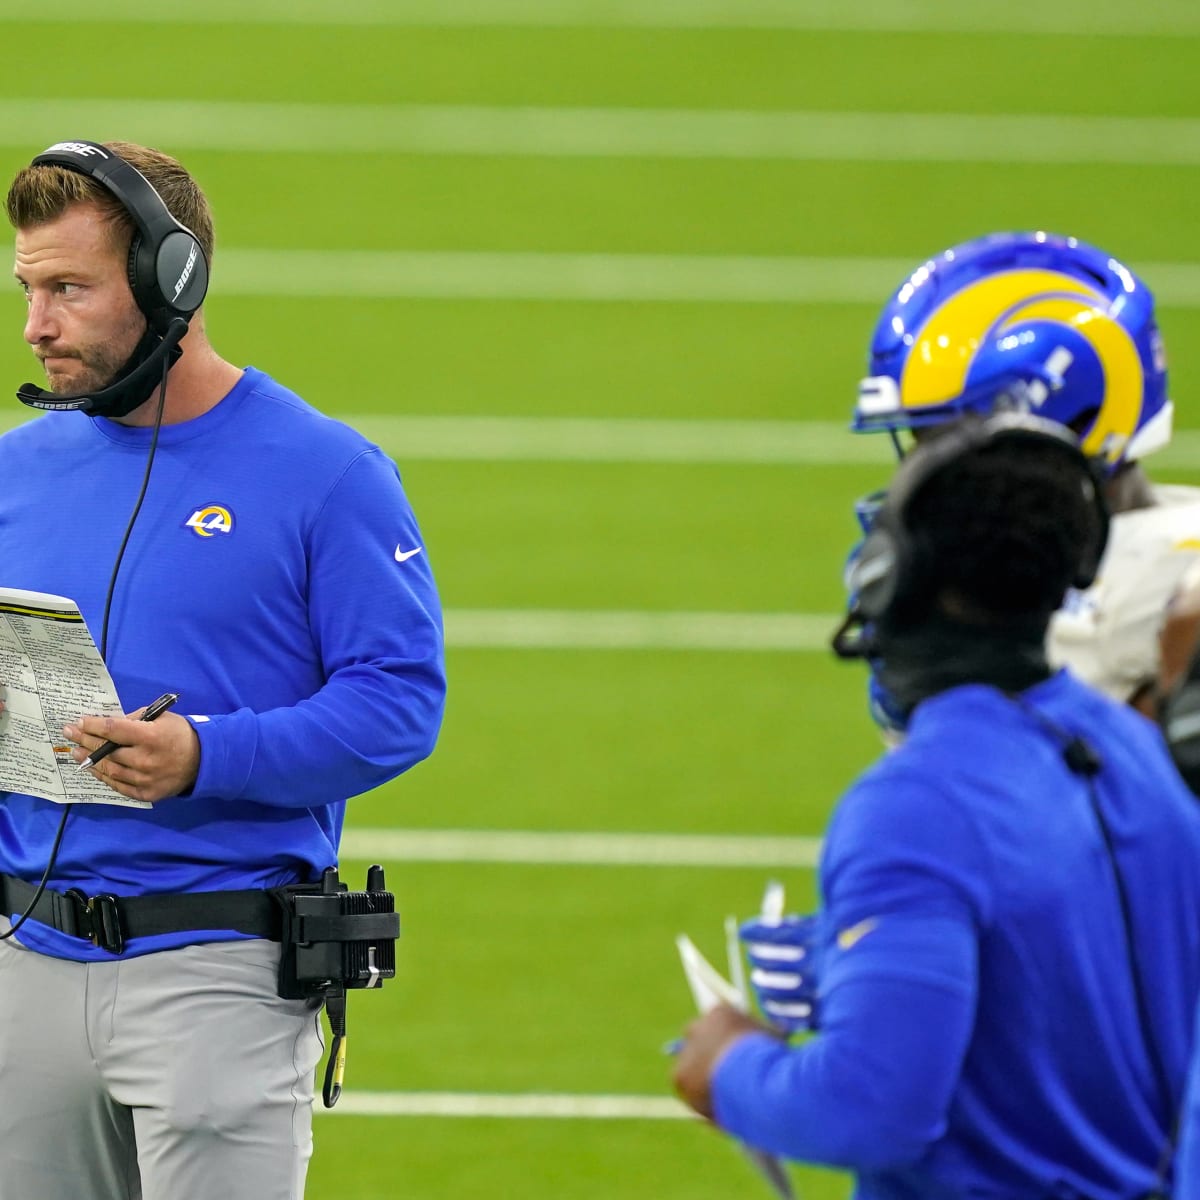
100 363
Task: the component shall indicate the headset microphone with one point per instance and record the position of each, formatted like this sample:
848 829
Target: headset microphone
131 388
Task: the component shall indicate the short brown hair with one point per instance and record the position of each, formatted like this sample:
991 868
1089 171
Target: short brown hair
43 193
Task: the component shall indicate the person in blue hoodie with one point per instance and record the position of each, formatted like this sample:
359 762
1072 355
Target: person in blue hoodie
1009 933
225 541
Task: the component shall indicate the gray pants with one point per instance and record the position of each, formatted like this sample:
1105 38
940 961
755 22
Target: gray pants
179 1075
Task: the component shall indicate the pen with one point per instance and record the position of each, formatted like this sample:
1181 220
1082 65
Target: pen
152 712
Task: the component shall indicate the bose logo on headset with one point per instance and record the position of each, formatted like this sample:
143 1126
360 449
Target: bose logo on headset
168 271
84 148
187 270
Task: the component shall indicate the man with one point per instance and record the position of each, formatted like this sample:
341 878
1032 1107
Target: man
227 542
1009 932
1048 324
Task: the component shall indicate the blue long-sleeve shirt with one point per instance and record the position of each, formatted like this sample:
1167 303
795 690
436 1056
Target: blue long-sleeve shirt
980 1033
269 579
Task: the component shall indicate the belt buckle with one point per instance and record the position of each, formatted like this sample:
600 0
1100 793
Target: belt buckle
103 920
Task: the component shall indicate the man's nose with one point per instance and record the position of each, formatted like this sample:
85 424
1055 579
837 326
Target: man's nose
40 322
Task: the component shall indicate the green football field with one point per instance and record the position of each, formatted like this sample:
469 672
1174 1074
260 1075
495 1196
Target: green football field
600 274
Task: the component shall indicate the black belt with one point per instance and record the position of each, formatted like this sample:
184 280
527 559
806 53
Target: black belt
108 921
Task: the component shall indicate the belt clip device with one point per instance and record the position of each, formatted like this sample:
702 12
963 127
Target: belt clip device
334 939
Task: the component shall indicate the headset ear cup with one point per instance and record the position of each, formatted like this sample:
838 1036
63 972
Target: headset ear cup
168 281
131 262
180 273
142 282
873 575
140 269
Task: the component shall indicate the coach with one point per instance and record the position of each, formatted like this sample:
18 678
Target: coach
227 542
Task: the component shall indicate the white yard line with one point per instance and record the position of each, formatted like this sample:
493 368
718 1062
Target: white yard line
1073 18
624 278
624 440
520 1105
636 278
599 440
638 440
614 132
573 629
397 846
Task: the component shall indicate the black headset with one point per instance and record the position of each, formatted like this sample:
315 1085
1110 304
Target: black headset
168 270
896 563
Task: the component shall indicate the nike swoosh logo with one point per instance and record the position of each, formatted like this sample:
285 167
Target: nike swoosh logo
405 555
848 938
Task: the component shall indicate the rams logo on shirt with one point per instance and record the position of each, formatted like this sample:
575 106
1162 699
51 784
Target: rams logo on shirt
212 518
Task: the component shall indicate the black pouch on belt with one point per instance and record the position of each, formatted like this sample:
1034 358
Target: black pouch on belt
335 938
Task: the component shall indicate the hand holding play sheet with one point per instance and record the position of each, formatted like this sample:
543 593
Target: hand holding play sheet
715 994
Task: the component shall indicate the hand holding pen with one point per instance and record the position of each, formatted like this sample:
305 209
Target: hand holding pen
141 761
153 712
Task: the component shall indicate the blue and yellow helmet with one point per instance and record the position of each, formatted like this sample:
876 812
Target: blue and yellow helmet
1029 321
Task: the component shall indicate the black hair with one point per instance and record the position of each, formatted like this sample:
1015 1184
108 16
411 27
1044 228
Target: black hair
1005 527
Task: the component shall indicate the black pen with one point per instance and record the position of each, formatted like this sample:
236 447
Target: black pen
152 712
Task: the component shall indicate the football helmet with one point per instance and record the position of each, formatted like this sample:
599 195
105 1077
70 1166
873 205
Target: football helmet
1028 321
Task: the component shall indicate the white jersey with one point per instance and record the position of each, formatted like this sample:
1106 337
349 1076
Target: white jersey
1108 635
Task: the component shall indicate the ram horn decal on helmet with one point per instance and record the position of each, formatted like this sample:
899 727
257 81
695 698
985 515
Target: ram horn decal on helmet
1033 322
